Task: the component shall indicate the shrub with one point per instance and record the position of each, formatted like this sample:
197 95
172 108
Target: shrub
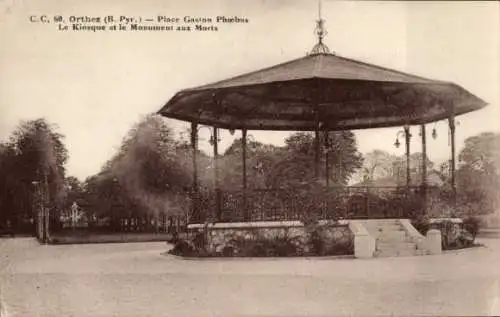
472 224
258 246
228 251
182 248
199 240
317 243
456 236
453 235
421 224
284 246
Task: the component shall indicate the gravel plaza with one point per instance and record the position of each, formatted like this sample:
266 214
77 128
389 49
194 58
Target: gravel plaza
137 279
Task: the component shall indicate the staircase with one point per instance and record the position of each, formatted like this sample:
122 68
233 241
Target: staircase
391 239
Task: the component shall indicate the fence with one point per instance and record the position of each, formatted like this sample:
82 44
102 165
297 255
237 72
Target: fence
295 203
122 224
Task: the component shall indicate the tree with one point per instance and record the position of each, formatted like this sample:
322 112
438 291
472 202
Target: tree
204 162
260 159
151 168
104 196
35 156
73 192
8 183
296 163
444 170
378 164
416 168
292 164
478 175
482 153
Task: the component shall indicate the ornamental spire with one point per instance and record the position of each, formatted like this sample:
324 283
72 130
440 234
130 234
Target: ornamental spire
320 47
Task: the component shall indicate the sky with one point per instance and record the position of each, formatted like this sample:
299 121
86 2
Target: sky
96 85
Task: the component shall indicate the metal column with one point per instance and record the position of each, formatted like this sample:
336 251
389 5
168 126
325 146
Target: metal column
451 123
316 146
216 174
244 161
407 143
195 190
424 168
327 163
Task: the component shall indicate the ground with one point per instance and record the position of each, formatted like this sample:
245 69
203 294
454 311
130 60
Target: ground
135 279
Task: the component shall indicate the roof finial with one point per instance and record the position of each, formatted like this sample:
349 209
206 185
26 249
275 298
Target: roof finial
320 30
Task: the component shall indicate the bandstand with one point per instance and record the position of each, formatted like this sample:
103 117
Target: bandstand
320 93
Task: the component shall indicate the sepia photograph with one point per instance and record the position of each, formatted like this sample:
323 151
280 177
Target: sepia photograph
249 158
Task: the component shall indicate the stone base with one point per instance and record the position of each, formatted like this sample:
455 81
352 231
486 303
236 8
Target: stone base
275 238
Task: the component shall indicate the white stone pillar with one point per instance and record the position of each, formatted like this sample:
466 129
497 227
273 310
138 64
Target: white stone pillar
433 241
363 246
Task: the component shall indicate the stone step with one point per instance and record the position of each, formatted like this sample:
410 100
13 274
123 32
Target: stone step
392 238
396 246
394 253
385 225
385 229
381 220
392 241
377 231
390 234
421 252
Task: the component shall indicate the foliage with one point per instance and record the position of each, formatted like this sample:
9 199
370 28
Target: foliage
260 160
421 224
478 176
472 224
148 175
281 245
74 192
377 164
182 248
316 242
106 197
297 163
453 235
383 169
32 159
482 152
293 164
148 159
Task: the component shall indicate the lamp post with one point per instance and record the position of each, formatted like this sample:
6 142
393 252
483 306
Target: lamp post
40 232
407 135
41 194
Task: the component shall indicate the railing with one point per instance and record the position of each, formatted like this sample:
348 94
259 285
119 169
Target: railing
123 224
294 203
